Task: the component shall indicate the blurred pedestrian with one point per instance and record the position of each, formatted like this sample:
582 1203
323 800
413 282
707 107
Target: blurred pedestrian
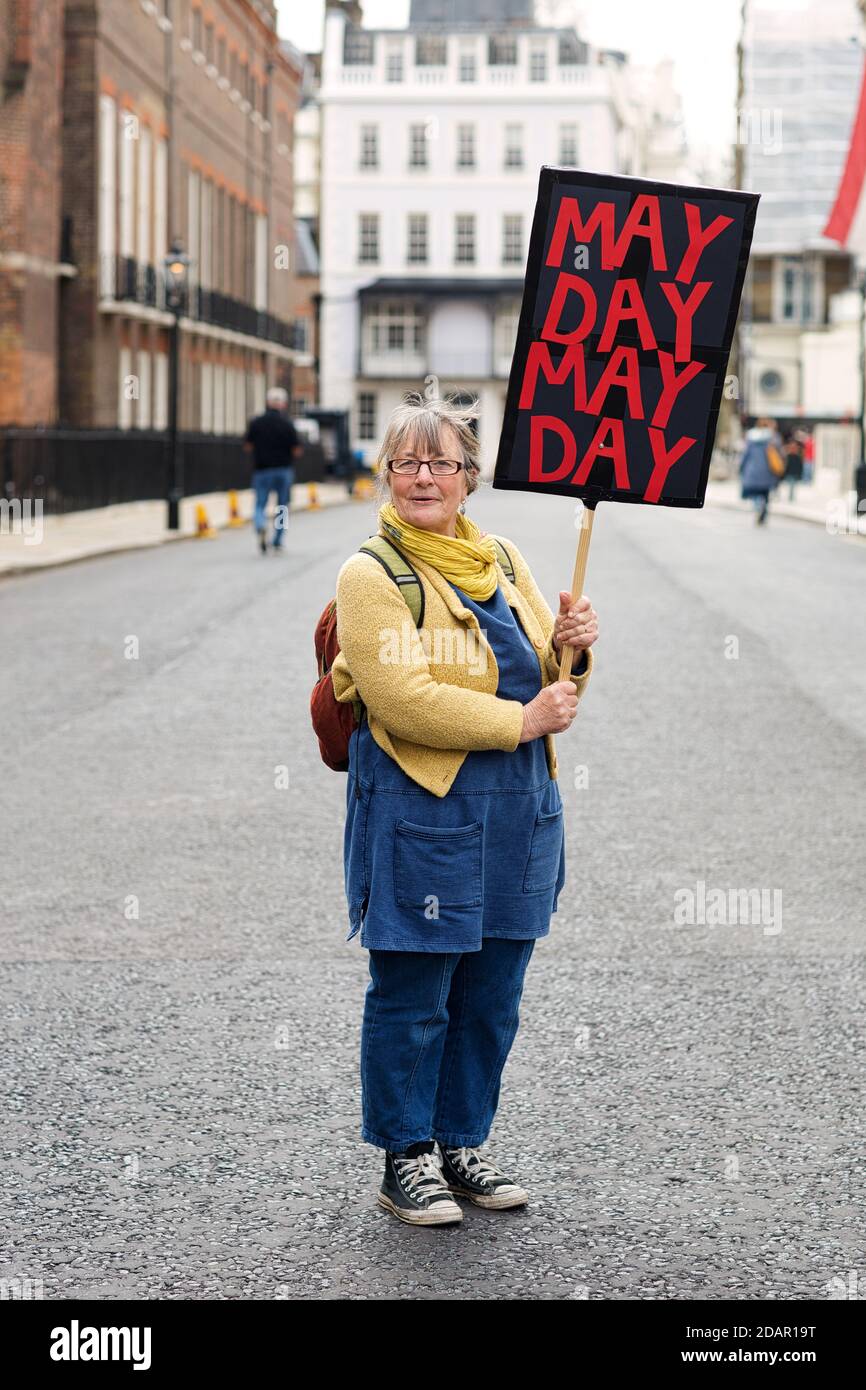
792 451
454 847
761 466
273 441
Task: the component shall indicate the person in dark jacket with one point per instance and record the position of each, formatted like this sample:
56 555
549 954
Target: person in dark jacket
793 451
273 441
758 478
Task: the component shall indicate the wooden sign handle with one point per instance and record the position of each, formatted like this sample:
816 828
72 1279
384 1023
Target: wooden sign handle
567 653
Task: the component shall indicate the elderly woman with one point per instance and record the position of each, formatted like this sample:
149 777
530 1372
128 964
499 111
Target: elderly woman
454 845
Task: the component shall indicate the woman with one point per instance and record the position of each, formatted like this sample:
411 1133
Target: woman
454 845
758 478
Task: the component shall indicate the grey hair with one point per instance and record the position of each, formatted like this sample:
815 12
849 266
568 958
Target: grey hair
277 395
419 420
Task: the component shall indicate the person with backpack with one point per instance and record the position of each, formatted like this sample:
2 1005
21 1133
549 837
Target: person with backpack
443 656
761 466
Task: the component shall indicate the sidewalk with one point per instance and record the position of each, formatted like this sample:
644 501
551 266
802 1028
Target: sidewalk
60 540
820 503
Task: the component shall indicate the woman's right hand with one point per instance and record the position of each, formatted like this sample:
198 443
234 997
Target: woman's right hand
550 712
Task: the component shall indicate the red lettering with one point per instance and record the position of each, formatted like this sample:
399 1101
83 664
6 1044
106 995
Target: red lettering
672 385
663 462
611 376
599 448
684 313
699 239
617 313
537 425
538 359
646 203
564 285
569 217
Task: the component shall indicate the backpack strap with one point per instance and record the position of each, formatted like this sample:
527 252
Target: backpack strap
404 576
504 558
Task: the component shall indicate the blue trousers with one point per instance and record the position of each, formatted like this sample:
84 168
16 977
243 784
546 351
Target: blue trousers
435 1037
266 481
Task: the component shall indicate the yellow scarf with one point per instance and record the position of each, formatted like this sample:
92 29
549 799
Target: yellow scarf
467 559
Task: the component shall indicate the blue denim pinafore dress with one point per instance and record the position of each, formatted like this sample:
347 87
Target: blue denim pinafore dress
430 873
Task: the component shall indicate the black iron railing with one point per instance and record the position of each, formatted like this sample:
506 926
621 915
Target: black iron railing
124 278
73 470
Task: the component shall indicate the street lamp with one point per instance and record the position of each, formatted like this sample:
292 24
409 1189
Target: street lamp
175 269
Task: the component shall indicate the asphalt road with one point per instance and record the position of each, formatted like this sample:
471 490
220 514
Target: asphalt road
181 1012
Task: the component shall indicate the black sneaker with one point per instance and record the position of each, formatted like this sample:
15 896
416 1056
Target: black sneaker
263 542
470 1175
413 1188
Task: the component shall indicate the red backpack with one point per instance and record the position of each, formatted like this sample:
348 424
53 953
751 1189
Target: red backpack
335 721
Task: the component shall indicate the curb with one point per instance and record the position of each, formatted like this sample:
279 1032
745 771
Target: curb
16 571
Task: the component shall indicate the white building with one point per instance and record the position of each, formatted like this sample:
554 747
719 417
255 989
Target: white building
801 75
432 138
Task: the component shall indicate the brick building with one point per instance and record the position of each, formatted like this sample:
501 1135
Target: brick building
31 269
177 123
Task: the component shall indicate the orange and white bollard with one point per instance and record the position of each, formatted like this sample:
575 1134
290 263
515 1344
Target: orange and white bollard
313 495
235 518
203 528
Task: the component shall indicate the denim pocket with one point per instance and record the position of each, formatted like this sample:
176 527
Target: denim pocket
440 862
542 866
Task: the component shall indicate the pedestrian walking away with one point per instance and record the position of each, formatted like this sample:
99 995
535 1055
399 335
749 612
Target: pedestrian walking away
761 466
454 847
274 443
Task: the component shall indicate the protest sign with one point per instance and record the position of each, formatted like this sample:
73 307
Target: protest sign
631 296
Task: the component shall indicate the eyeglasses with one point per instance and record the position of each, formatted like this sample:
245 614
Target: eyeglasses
437 466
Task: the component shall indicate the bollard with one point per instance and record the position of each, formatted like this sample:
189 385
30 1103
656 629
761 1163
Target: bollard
313 497
203 528
235 518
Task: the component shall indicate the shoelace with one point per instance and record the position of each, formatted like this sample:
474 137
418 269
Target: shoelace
482 1168
424 1174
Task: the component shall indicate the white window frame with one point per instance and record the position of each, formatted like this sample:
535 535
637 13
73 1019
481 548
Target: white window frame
107 196
465 247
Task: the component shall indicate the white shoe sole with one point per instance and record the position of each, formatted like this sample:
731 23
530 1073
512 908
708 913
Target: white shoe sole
438 1215
498 1202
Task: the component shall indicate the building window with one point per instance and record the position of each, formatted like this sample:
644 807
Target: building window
501 50
505 329
368 236
369 147
142 414
395 327
571 50
301 335
418 146
467 69
464 238
568 143
107 195
298 405
417 245
358 46
366 415
513 146
796 291
431 50
538 65
465 146
512 238
394 65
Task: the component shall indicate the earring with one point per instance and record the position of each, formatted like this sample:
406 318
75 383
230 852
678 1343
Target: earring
462 506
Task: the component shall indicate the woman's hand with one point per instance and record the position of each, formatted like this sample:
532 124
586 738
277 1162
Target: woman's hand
550 712
576 623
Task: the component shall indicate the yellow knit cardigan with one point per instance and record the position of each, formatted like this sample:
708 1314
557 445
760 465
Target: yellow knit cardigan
430 692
